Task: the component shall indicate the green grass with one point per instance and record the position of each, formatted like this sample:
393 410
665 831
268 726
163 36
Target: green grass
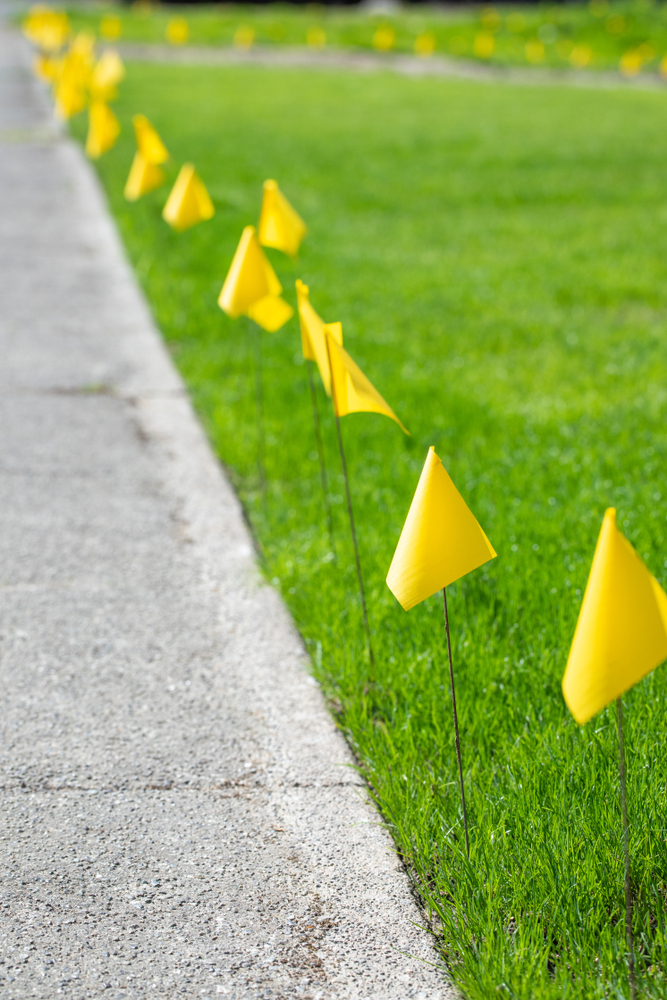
498 259
600 32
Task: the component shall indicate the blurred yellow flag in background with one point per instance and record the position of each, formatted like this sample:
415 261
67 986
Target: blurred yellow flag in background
49 29
441 539
145 173
70 96
252 288
621 634
189 201
107 74
313 343
143 177
352 391
103 129
46 68
280 226
149 143
177 32
111 27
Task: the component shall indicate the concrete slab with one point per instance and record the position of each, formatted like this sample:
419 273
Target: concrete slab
178 814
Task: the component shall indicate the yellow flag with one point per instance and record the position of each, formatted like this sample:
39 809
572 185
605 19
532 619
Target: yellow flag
149 143
441 540
84 46
70 97
107 74
313 343
252 288
74 77
103 129
48 29
352 391
143 177
189 201
111 27
46 68
280 226
270 313
177 31
621 634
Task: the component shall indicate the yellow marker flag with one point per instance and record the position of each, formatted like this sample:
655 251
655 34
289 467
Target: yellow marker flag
189 201
47 28
111 27
352 391
313 343
107 74
70 97
46 68
280 226
621 634
177 31
143 177
149 143
84 46
441 539
103 129
252 288
271 313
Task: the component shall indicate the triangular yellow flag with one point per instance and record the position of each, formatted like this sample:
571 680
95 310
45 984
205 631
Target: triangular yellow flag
441 539
103 129
313 343
46 68
352 391
621 634
143 177
252 288
280 226
149 143
271 313
46 28
189 201
107 73
70 97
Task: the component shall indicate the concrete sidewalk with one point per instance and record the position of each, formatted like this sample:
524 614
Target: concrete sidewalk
178 814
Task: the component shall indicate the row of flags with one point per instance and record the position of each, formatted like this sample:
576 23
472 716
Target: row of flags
621 632
601 666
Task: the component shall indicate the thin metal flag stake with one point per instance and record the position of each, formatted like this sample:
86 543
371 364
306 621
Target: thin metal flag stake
259 404
351 515
626 849
356 547
456 722
320 452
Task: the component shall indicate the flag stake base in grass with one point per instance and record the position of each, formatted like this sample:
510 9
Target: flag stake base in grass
320 452
456 721
356 548
626 849
441 541
621 635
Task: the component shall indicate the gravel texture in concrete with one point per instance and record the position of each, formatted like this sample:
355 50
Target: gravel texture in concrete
179 816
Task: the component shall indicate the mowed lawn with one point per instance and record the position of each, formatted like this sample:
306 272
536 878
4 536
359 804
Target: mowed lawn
498 259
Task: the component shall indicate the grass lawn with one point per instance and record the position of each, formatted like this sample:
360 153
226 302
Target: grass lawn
498 258
595 35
